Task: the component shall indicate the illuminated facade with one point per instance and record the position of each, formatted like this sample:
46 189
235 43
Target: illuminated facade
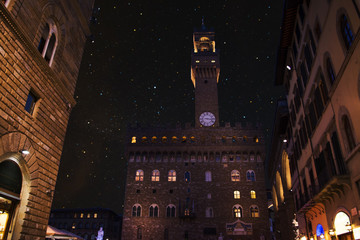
198 182
318 63
41 44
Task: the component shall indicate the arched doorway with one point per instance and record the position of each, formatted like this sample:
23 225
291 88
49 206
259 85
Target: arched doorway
320 233
10 189
341 223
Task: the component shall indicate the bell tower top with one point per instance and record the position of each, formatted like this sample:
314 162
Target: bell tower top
205 71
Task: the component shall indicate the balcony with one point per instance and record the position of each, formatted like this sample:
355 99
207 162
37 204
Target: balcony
326 190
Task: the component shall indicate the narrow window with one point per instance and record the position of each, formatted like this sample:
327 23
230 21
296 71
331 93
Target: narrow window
51 48
250 175
155 176
208 176
172 176
139 176
43 38
170 210
31 102
235 176
347 34
187 177
348 133
139 233
209 212
154 210
236 194
136 210
253 194
330 71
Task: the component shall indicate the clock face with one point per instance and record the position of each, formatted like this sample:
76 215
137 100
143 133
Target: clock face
207 119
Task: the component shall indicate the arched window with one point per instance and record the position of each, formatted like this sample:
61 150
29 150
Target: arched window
237 211
252 194
139 176
48 42
136 210
250 176
187 176
330 71
236 194
170 210
155 175
348 133
154 210
209 213
254 211
139 233
208 176
346 32
235 176
172 176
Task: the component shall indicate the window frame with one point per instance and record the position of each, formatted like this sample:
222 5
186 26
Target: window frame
235 175
139 175
171 175
155 175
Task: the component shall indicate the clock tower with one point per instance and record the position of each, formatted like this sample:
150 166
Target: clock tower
205 70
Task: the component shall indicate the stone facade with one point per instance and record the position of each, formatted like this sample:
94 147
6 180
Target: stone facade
41 45
199 182
319 66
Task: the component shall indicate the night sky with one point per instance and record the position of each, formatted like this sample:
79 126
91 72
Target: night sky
136 70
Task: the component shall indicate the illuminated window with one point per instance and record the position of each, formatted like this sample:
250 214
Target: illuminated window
234 139
144 139
81 215
237 211
136 210
192 139
174 139
187 176
164 139
154 139
73 226
236 194
250 176
235 176
88 215
31 102
213 61
95 215
75 215
133 140
254 211
139 176
209 213
208 176
154 210
245 138
170 210
252 194
155 175
183 139
172 176
256 139
197 61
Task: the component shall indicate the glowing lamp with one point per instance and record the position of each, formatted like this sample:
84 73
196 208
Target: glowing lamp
322 236
303 237
24 151
288 67
331 232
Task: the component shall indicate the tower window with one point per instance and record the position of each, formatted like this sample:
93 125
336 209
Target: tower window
250 175
187 177
136 210
170 210
133 139
48 42
154 210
